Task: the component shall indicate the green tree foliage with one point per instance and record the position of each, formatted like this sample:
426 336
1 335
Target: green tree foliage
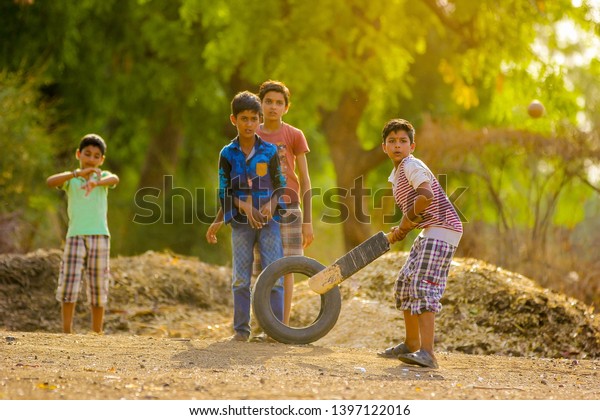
354 64
26 158
155 78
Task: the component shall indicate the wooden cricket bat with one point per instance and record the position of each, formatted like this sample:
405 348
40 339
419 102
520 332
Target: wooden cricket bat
348 264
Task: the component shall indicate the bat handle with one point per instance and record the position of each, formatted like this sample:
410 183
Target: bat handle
389 236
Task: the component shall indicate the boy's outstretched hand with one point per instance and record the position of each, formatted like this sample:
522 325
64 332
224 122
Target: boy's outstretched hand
89 186
94 176
211 233
398 233
88 172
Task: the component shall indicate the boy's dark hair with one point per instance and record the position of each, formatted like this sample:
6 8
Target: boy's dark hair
274 86
245 101
92 140
398 124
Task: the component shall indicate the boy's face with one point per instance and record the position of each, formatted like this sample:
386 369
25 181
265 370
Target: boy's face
397 146
246 123
90 157
273 106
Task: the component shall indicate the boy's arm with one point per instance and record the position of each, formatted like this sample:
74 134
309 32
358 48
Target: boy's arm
306 200
228 200
256 219
225 193
277 176
57 180
211 233
108 180
268 209
413 217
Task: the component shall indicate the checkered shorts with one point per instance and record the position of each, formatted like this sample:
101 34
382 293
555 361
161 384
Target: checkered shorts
85 256
291 236
422 280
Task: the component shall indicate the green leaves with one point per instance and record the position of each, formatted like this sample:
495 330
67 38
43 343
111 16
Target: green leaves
126 69
27 149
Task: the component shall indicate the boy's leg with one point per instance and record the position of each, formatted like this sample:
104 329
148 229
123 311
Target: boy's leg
69 279
257 265
402 296
288 297
291 239
424 356
68 310
413 333
97 318
271 250
427 285
427 329
243 238
98 272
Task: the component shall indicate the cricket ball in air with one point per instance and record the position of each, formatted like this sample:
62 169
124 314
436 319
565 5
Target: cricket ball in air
535 109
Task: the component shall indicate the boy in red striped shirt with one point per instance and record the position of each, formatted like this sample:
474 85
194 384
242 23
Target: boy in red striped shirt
422 280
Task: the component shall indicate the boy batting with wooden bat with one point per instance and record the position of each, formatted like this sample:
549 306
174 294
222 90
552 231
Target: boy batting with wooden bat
422 280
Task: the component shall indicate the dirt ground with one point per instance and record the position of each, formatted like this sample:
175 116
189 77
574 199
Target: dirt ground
499 337
87 366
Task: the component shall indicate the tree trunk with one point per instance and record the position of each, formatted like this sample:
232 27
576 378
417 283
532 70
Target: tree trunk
351 163
163 151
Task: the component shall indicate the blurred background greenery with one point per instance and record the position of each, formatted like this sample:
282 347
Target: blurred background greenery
155 79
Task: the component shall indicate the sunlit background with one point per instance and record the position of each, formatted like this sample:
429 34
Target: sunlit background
155 78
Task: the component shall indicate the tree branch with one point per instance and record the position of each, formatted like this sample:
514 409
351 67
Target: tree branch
588 183
462 29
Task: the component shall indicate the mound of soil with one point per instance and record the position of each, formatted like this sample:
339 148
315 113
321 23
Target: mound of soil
487 310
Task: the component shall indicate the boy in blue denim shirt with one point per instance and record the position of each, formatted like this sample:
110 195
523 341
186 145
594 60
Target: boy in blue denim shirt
250 187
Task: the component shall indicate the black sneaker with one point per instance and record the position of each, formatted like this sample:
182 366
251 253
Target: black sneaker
238 336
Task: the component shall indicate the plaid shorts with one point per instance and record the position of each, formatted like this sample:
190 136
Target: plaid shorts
291 236
422 280
85 256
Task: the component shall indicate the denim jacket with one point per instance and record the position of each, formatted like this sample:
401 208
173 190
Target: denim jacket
259 175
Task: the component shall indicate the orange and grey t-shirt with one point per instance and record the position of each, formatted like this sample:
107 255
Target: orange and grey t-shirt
290 142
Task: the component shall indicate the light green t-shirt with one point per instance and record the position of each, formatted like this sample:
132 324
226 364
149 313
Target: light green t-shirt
87 214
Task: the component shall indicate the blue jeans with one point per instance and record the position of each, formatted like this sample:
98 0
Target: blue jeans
243 238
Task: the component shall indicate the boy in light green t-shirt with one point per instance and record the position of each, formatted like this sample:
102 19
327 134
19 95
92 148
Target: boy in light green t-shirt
87 247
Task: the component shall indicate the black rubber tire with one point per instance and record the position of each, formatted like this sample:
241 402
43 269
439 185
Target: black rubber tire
331 302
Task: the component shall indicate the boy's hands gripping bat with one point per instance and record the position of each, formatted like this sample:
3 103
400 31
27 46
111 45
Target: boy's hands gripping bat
348 264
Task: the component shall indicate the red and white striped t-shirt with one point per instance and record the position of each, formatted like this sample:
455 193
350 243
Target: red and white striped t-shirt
440 219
